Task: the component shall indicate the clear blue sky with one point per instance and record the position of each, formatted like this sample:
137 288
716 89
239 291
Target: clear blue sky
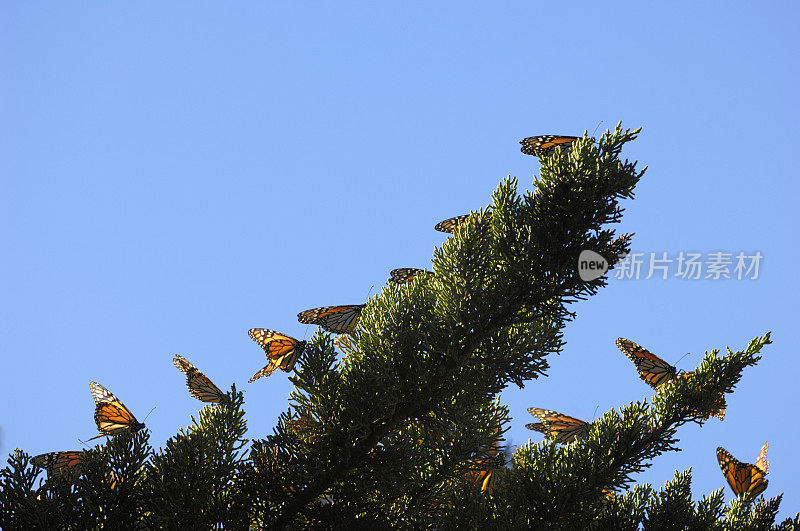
175 174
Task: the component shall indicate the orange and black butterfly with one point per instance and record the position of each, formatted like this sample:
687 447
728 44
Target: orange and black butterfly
198 383
450 225
652 369
655 371
544 145
336 319
744 477
406 274
484 473
282 351
57 462
110 415
557 426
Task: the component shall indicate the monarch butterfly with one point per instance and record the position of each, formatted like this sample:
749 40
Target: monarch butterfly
282 351
198 383
485 475
544 145
110 415
450 225
336 319
744 477
57 462
656 372
406 274
652 369
557 426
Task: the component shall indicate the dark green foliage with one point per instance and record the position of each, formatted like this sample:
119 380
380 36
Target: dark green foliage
193 481
387 435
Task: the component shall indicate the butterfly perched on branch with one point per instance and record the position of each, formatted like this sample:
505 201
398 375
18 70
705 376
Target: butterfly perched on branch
282 351
450 225
406 274
336 319
545 145
198 383
657 372
484 470
557 426
111 415
744 477
57 462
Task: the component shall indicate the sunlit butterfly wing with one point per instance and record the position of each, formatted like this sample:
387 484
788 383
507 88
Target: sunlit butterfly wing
557 426
406 274
761 460
57 462
199 385
282 351
111 415
336 319
652 369
544 145
742 477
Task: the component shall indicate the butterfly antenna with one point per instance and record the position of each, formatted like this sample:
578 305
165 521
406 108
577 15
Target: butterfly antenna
93 438
594 415
598 125
370 291
679 359
148 414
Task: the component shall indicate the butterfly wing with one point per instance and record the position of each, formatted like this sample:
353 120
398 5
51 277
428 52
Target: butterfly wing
449 225
57 462
742 477
282 351
336 319
543 145
406 274
761 460
111 415
275 344
652 369
483 472
199 385
557 426
101 394
486 478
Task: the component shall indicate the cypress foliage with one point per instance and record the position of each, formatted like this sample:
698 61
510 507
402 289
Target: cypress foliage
395 432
